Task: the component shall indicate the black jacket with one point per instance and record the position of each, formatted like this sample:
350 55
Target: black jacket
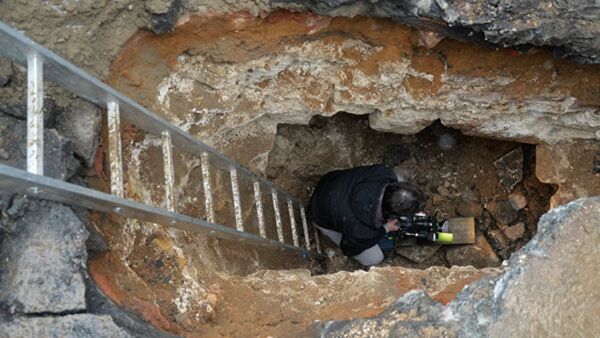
347 201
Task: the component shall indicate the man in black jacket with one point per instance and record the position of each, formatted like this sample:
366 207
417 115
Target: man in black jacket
356 207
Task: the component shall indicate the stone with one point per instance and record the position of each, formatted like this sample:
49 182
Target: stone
6 72
479 255
503 212
427 39
58 151
567 165
80 123
412 315
158 6
443 191
510 169
418 253
437 198
485 221
4 155
514 232
498 241
69 326
44 257
517 200
99 304
543 283
164 21
469 209
563 26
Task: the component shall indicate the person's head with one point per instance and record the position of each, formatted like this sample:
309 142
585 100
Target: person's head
401 199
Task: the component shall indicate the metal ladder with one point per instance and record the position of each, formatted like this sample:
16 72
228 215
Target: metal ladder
43 64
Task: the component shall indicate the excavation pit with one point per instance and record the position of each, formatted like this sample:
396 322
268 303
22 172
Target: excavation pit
270 91
462 176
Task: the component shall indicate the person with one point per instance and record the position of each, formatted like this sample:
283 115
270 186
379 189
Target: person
356 207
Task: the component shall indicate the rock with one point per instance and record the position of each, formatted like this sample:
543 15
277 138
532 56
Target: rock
158 6
329 252
69 326
443 191
44 256
418 253
99 304
6 72
469 209
517 200
484 222
58 151
540 281
564 26
80 123
514 232
427 39
5 198
498 241
4 155
436 198
567 165
503 212
510 169
162 23
480 254
413 315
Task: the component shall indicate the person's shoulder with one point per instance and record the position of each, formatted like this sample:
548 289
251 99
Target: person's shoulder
380 170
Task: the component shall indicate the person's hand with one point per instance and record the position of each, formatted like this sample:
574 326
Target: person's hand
391 225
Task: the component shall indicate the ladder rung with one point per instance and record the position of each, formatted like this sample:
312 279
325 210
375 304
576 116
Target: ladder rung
169 171
305 228
35 114
259 210
237 205
277 215
208 200
115 154
293 223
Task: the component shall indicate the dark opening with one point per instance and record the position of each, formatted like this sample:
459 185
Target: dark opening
461 175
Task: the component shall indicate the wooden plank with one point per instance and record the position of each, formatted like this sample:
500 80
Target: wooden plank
462 230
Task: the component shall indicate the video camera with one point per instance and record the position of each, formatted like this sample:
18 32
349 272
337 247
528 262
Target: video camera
423 227
419 226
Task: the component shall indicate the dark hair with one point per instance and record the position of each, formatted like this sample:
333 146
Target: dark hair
401 199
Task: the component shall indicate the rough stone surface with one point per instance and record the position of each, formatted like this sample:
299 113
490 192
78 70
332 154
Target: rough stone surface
99 304
514 232
569 165
510 169
418 253
6 72
80 123
517 200
58 150
413 315
503 212
44 257
226 82
536 295
498 240
469 209
480 254
569 26
69 326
